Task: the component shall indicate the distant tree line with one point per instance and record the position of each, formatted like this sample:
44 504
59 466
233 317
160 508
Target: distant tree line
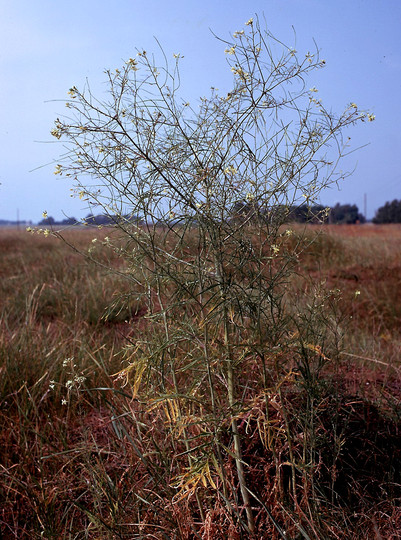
50 221
389 213
345 214
90 219
249 211
11 223
338 214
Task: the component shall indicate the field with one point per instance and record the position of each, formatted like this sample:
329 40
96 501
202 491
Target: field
90 448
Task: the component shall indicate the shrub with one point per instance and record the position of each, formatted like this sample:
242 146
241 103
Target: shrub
389 213
222 338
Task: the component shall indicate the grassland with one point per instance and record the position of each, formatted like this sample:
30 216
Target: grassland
83 455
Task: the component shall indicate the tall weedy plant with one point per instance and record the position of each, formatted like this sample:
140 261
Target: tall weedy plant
199 195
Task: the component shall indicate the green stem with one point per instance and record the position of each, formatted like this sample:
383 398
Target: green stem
231 401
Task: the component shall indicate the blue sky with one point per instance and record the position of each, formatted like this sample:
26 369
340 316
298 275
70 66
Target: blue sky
47 46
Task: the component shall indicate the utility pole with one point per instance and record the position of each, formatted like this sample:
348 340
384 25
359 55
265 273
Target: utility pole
365 205
18 218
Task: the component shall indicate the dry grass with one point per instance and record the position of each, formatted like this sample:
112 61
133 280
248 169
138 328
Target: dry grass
82 457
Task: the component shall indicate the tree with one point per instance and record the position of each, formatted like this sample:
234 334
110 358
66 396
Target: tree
69 221
214 286
389 213
47 221
345 214
308 214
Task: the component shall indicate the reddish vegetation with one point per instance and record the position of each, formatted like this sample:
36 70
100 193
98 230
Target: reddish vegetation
90 460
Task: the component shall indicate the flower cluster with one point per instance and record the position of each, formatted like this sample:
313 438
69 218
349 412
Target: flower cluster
309 57
73 92
75 382
56 133
92 246
371 117
133 64
240 72
230 170
45 232
130 161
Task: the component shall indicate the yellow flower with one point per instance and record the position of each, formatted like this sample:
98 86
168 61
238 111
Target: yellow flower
44 214
58 170
81 194
354 106
132 63
371 117
46 232
240 72
249 22
230 170
72 92
231 50
55 132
